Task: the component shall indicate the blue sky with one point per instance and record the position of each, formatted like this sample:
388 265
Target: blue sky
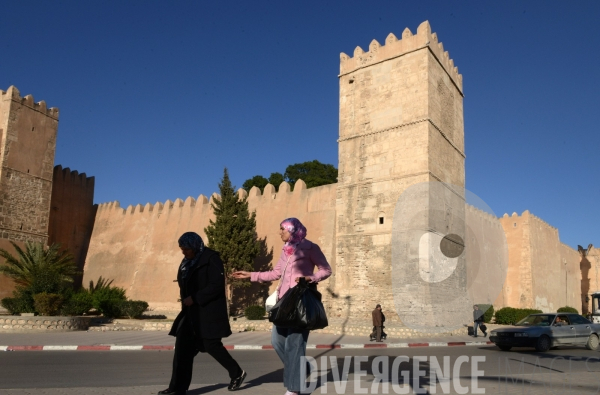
156 98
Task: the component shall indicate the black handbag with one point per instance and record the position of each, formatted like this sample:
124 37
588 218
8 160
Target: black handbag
483 327
300 308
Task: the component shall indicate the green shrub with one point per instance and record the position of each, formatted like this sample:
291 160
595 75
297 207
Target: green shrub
16 306
133 308
79 304
110 308
510 315
567 309
21 302
255 312
107 301
488 310
47 303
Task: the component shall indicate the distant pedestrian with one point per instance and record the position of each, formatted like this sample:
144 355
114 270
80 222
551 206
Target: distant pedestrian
378 319
478 321
203 320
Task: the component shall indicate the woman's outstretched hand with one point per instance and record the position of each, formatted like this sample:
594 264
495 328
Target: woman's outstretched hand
240 275
308 279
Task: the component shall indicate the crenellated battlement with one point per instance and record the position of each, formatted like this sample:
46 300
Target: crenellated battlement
72 176
204 205
492 219
531 217
395 47
270 192
12 93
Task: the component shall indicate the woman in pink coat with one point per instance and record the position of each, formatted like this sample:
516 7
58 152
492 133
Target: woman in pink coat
298 259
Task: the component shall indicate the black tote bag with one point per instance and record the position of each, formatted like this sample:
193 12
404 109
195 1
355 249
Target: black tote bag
300 308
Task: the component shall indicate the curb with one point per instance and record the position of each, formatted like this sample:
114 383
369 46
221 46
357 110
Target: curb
239 347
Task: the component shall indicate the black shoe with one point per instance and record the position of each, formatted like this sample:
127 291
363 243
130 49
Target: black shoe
475 336
168 391
236 383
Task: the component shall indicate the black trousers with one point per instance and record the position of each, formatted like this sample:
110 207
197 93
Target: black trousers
187 347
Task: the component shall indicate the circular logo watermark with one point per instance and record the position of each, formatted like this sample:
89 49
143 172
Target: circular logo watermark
449 253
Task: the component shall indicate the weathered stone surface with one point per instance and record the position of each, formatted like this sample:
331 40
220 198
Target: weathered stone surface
543 273
27 149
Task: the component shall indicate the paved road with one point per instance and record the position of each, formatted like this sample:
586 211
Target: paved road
561 371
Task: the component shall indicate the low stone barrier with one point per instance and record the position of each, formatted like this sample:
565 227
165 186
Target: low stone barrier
350 328
336 326
41 323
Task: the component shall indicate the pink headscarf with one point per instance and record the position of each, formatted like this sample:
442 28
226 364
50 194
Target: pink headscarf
297 234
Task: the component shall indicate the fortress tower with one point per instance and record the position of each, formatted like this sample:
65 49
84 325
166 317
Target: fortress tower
27 145
401 123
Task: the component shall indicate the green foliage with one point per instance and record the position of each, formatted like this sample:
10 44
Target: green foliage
40 269
313 173
488 310
261 182
133 308
13 305
110 308
47 303
100 284
510 315
276 179
233 232
21 302
78 304
257 181
107 301
255 312
567 309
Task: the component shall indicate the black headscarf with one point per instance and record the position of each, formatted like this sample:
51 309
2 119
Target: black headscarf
194 241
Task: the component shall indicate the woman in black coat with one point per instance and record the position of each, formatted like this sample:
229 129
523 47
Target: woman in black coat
203 320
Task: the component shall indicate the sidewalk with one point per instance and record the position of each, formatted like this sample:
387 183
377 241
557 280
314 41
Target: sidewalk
141 340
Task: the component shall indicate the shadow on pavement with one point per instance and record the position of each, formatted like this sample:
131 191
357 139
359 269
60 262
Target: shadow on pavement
207 389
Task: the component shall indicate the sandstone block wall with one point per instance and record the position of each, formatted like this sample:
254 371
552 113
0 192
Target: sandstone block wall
137 246
401 123
543 273
590 273
27 146
72 212
486 248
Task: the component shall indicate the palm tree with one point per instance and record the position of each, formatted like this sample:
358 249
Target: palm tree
38 265
102 283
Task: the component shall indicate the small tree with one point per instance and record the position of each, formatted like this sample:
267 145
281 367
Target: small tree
37 270
276 179
233 234
313 173
257 181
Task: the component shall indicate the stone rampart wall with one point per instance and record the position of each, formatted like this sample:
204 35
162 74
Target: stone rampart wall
543 273
485 247
27 145
593 257
137 246
72 212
